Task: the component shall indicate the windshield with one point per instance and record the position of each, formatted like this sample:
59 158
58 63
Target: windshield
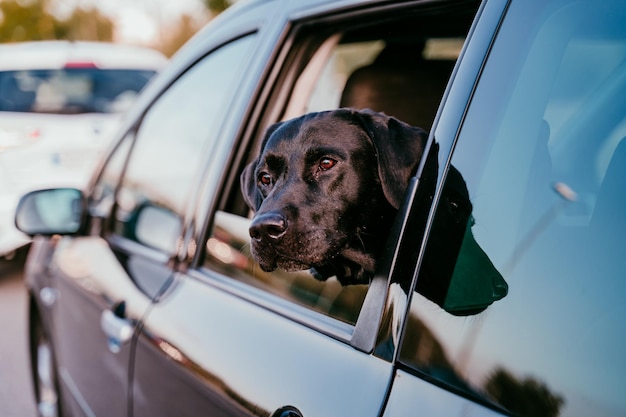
70 90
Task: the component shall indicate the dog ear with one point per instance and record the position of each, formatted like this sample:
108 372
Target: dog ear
399 148
249 190
247 180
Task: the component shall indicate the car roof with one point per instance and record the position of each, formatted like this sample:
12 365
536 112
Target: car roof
63 54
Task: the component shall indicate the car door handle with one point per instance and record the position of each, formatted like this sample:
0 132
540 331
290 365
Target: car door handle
287 411
118 330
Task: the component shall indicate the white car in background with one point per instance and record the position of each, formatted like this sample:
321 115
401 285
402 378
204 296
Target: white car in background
60 102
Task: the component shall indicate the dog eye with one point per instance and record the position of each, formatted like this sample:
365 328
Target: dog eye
265 178
327 163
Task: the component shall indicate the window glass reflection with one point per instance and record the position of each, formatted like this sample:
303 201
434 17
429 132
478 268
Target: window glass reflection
173 140
544 162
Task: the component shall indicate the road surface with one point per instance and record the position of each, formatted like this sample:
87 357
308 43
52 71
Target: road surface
16 395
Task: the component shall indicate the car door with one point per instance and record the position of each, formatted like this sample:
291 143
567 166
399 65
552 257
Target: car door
229 339
530 322
206 348
163 173
108 279
87 280
186 133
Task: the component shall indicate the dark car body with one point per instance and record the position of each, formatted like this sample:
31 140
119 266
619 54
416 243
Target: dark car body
145 300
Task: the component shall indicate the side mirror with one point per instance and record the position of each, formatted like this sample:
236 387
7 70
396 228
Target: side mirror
58 211
158 227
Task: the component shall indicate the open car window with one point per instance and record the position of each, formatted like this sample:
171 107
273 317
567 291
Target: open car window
333 65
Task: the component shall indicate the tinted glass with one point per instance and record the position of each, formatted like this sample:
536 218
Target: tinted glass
70 91
542 226
173 143
103 195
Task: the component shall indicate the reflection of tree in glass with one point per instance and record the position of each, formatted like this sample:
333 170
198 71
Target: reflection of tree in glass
422 348
526 397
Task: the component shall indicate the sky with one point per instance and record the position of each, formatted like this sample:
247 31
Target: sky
137 21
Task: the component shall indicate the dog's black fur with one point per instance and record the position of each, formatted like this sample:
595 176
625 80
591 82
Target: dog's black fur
326 188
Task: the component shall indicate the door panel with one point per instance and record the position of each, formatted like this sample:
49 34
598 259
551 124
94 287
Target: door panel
205 351
413 396
546 214
90 282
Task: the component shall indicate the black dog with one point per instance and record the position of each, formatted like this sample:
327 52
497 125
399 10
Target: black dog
326 188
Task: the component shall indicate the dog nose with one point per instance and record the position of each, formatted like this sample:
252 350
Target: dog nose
268 225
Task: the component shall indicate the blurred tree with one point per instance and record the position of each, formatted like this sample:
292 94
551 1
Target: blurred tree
176 34
526 397
26 20
87 24
31 20
173 37
216 6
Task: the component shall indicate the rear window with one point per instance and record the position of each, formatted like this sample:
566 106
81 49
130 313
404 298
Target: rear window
70 90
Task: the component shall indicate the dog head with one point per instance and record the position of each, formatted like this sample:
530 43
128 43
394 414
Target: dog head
325 189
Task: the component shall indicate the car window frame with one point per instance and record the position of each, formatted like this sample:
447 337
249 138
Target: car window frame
389 303
253 122
261 111
445 132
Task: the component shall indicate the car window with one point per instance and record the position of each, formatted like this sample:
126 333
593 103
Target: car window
172 144
103 195
527 314
325 79
70 90
405 79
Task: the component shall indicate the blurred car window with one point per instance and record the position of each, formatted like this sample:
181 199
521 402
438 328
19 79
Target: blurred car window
70 90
